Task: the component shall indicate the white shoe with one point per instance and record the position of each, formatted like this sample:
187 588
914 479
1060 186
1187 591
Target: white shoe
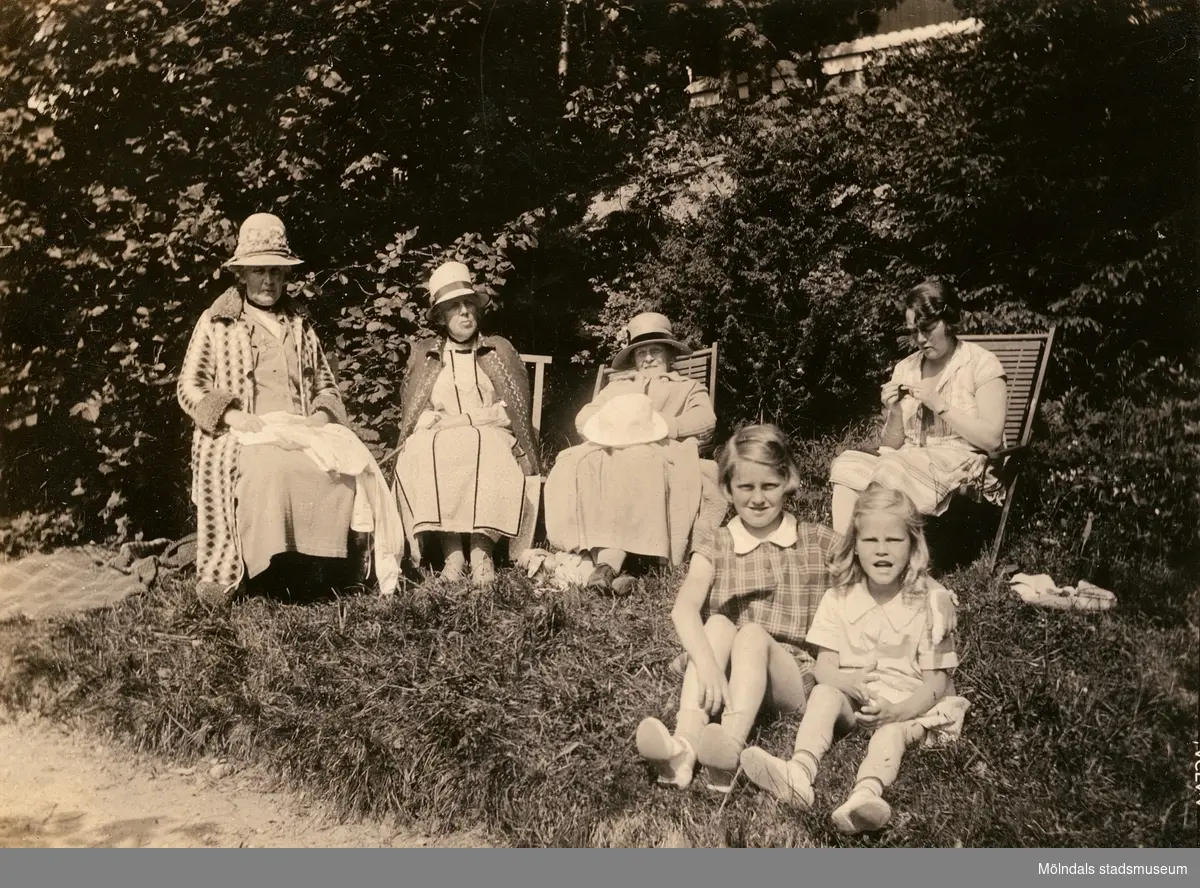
673 759
787 781
862 812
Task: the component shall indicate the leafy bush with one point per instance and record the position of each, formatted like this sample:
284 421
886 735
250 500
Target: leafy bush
137 134
1130 458
1015 161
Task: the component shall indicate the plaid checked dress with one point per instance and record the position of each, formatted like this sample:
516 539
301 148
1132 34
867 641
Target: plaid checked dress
777 586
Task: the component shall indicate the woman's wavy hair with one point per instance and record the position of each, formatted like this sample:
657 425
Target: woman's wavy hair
844 564
932 301
764 444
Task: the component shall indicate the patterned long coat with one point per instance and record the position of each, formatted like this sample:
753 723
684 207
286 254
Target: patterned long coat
504 367
218 373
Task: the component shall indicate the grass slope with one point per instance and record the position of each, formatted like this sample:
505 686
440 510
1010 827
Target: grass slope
515 711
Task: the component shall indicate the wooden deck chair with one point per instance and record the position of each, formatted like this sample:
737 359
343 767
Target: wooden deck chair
533 485
1024 357
538 363
700 365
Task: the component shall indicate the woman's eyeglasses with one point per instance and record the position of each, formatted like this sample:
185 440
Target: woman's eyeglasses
925 329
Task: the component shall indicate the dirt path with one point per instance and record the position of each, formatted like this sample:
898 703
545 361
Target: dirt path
62 790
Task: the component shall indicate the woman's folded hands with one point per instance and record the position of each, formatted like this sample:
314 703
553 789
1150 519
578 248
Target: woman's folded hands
495 415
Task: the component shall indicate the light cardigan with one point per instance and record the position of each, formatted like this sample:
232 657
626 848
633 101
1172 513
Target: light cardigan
217 374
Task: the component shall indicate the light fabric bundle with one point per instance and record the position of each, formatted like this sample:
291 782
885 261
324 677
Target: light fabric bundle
1041 590
334 448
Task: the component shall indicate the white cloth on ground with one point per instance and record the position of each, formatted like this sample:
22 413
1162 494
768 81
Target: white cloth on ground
1040 589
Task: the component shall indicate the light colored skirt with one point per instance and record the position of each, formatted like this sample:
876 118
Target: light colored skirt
642 499
929 475
286 504
461 480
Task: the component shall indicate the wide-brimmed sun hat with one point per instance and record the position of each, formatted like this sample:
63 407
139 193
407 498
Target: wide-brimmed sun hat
452 280
262 240
648 328
624 421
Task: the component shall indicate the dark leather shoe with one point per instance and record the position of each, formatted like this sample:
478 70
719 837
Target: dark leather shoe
601 578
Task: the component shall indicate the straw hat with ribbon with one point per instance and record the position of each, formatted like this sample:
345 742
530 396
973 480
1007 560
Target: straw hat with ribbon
262 240
452 280
624 421
648 328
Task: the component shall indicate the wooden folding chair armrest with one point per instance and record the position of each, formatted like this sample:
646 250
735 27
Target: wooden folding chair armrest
390 456
1004 452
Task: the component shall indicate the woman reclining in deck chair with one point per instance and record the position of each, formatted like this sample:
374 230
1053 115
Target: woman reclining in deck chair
467 452
943 410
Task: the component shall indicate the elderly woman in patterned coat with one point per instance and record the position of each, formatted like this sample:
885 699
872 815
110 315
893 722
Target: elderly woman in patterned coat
255 352
466 447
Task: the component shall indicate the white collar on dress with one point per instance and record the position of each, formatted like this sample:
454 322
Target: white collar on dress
744 542
957 359
900 611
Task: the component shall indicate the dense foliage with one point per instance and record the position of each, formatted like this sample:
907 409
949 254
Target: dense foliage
390 134
1052 181
1046 163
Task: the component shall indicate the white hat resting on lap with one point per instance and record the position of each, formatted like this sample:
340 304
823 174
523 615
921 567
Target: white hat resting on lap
625 421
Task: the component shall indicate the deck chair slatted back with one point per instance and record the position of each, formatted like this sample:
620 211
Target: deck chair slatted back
1024 357
700 365
538 363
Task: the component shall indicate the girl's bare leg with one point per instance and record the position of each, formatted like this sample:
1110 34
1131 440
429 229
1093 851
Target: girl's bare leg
673 755
758 665
791 781
865 809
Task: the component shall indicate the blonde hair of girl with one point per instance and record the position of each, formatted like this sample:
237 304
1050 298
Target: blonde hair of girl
844 564
764 444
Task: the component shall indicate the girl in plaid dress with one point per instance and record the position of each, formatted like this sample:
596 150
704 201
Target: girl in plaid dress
742 614
879 665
